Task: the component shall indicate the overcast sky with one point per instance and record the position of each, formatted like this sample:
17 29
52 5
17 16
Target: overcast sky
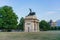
45 9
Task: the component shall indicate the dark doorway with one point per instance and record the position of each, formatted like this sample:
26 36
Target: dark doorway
28 29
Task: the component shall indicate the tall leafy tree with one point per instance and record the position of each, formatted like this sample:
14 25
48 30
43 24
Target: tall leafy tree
43 25
21 24
8 19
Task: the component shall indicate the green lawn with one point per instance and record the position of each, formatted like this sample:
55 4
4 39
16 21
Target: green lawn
45 35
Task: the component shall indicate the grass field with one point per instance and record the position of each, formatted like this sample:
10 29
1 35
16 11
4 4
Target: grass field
45 35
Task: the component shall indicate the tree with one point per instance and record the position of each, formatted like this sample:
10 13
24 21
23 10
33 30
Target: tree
43 25
58 27
21 24
8 19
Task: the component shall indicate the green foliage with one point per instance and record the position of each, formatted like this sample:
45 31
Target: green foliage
43 25
8 19
21 24
58 27
55 28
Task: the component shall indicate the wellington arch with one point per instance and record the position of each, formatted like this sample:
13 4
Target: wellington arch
31 22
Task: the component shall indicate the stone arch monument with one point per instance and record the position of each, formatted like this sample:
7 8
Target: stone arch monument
31 22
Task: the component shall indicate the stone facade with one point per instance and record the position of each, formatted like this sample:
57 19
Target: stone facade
52 24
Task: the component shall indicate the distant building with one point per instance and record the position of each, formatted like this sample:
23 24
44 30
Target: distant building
52 24
58 23
31 22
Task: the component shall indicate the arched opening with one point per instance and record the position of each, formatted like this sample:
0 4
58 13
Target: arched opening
34 28
28 29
